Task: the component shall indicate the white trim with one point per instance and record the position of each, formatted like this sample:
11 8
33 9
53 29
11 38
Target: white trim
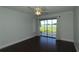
76 48
67 40
17 41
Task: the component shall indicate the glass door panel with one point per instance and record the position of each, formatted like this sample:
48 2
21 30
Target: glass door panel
48 27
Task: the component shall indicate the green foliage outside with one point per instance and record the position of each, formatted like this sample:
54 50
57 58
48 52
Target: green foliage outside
48 29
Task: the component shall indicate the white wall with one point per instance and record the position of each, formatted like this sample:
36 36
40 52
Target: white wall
35 26
15 26
66 24
76 28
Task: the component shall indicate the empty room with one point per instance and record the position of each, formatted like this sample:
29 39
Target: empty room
39 28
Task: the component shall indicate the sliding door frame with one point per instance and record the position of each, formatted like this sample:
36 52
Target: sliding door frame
51 25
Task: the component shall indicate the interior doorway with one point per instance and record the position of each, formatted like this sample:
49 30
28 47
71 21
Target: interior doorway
48 27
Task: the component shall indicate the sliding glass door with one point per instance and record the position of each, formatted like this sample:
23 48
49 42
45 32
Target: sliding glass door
48 27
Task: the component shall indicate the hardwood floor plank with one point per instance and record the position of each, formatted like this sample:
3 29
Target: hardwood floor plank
41 44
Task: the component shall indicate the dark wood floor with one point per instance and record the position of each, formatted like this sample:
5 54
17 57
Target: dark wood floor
41 44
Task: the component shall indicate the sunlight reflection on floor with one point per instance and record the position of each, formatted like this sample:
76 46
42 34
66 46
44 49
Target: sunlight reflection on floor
48 42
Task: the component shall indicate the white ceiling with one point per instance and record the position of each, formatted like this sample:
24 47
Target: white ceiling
48 9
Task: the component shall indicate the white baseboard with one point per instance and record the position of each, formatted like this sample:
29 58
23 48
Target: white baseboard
76 46
16 42
67 40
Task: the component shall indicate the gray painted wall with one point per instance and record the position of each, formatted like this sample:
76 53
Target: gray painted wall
65 25
15 26
76 28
